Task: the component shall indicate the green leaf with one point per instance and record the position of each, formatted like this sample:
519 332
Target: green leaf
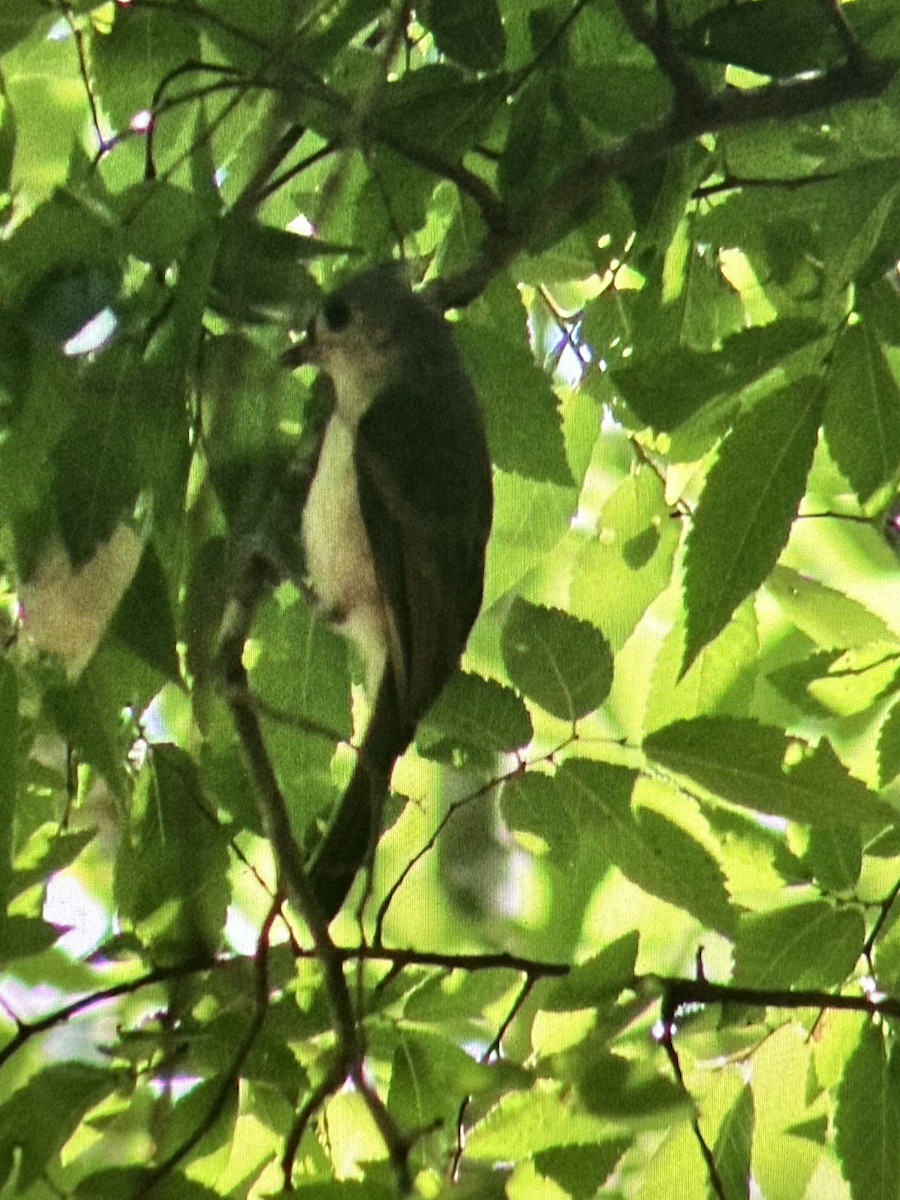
128 63
862 418
479 716
618 98
9 738
69 235
563 664
653 852
624 1090
21 937
603 976
579 1169
520 410
47 851
831 619
160 220
744 516
889 746
49 105
438 107
40 1117
144 620
867 1119
618 572
172 872
64 302
531 802
468 31
17 19
428 1076
793 681
261 273
768 37
856 679
811 945
129 1183
665 389
88 713
541 142
521 1124
734 1143
834 856
192 1112
762 768
720 680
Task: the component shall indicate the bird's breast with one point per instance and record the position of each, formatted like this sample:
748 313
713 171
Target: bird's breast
339 558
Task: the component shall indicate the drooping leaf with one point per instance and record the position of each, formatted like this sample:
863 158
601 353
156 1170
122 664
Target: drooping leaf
744 516
862 419
734 1145
768 37
889 746
577 1169
171 875
867 1118
520 409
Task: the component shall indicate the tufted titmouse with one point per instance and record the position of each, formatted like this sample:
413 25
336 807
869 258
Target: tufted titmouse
394 528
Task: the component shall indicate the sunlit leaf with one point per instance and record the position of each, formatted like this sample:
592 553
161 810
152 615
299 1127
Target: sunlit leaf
652 851
562 663
805 945
760 767
745 513
867 1119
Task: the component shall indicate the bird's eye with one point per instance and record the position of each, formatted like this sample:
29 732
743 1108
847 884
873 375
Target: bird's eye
336 313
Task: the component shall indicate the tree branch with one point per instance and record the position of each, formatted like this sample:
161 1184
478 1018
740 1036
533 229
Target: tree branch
582 183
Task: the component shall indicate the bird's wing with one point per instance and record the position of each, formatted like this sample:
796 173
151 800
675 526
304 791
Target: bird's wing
425 495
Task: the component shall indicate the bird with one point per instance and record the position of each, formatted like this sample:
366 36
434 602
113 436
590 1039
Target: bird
394 530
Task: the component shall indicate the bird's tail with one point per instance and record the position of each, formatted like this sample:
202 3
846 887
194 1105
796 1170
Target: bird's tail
356 824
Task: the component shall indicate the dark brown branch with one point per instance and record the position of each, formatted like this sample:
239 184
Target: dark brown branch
228 1081
25 1030
78 36
712 1170
857 56
400 959
313 1102
656 35
252 579
549 46
582 183
678 992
